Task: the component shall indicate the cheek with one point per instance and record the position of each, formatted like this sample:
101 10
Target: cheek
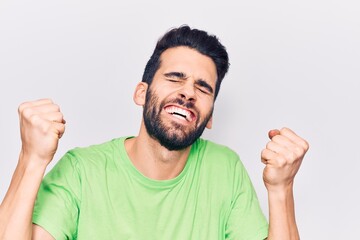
206 111
162 91
207 105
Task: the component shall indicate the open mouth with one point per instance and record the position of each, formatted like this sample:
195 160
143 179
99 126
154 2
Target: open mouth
180 113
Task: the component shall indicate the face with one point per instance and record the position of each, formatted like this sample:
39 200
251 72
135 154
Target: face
180 100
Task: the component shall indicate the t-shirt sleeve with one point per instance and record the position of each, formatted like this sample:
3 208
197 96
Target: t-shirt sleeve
57 203
246 220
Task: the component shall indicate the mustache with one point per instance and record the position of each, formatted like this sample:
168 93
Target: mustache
181 102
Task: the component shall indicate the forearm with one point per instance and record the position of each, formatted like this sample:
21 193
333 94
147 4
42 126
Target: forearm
17 207
282 222
282 156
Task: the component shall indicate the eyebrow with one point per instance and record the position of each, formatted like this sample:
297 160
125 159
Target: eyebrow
181 75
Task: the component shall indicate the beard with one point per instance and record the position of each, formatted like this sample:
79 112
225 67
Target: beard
175 136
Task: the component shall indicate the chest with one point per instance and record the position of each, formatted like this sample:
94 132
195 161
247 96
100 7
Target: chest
193 208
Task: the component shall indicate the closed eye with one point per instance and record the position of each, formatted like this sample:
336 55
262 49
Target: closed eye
204 86
173 80
175 76
203 90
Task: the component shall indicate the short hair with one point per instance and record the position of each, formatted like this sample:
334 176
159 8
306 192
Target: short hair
204 43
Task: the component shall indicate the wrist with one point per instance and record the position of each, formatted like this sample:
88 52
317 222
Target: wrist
280 188
280 194
282 222
32 162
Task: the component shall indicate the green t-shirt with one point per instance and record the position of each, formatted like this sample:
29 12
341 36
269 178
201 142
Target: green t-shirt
97 193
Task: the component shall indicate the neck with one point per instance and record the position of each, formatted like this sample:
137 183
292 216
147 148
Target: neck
152 159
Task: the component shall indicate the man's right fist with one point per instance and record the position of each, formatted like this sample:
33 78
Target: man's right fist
41 126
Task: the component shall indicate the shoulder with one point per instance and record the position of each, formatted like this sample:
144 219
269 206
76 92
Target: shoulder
98 149
218 154
216 150
94 153
221 168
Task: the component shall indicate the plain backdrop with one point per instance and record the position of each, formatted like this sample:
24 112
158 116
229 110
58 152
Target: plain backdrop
293 63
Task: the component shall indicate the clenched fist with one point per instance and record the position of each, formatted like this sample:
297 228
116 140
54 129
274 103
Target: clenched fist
41 126
282 156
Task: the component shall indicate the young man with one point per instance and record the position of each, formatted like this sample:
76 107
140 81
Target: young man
165 183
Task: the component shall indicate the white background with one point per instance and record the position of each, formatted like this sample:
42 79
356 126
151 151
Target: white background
293 64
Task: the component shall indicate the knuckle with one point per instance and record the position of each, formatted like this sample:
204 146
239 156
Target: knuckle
289 157
59 117
56 107
306 145
284 130
276 138
21 108
263 152
281 162
298 151
34 119
26 112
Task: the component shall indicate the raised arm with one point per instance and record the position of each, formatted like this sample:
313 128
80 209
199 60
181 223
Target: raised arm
41 127
282 156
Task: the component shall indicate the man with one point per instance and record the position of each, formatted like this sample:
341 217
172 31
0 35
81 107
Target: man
165 183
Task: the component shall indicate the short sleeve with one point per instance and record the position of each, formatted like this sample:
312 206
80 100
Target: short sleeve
246 220
57 203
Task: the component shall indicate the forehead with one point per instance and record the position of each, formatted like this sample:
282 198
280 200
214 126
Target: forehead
188 61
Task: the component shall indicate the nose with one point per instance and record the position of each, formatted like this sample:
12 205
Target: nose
187 91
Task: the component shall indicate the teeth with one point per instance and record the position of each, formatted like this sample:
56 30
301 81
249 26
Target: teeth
180 111
178 116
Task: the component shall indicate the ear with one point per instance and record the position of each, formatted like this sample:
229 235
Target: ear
140 93
209 123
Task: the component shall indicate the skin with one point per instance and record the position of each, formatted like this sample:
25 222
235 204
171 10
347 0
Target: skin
42 125
282 157
161 163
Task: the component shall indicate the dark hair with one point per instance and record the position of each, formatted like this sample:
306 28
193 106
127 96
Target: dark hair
199 40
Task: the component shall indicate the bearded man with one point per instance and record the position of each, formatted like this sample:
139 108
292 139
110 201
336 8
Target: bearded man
164 183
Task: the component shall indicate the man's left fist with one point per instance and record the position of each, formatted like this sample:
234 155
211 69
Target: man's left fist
282 156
